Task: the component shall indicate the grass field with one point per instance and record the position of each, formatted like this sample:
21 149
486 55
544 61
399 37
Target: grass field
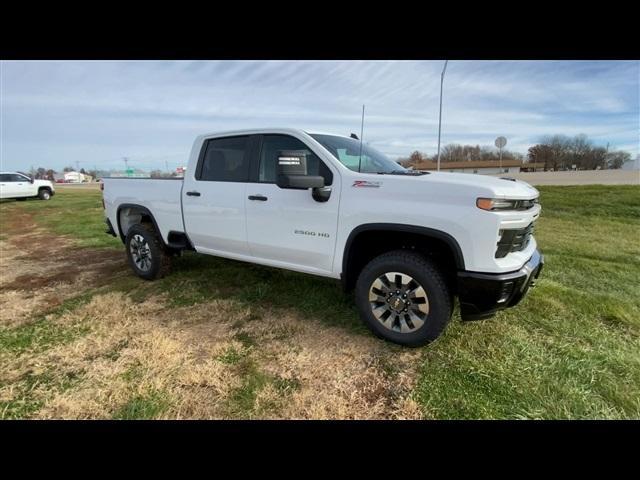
81 337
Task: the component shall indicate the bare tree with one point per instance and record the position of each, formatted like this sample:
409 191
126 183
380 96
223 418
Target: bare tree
617 159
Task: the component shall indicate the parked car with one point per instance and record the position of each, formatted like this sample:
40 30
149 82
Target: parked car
407 242
19 186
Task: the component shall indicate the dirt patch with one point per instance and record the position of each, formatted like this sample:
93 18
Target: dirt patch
40 270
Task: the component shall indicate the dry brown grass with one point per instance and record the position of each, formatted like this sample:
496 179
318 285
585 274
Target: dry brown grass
211 360
136 348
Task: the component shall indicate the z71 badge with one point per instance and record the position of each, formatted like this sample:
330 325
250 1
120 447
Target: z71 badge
366 184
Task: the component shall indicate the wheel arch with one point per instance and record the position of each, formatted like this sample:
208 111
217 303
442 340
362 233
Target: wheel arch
354 258
140 210
176 240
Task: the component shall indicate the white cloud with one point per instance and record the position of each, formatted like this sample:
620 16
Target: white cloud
55 113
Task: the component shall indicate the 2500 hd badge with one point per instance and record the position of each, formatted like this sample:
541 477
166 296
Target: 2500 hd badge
311 234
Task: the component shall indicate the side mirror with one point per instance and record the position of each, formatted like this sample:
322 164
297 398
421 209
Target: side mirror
291 171
32 179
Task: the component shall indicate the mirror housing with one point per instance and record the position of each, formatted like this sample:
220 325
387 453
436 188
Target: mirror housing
291 171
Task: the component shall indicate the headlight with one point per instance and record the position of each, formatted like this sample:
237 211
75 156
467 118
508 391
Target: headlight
493 204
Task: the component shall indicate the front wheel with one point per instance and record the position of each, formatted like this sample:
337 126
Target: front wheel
44 194
403 298
145 252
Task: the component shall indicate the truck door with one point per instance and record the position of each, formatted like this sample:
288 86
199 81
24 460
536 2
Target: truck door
13 185
213 197
288 227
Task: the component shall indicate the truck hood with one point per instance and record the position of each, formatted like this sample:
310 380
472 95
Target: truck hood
500 188
43 183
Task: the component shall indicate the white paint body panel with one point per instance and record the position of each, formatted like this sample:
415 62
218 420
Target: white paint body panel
161 197
223 222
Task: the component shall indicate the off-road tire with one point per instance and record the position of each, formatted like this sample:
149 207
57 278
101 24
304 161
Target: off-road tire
160 260
427 275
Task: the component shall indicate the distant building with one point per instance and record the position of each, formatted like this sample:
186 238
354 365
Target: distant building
484 167
77 177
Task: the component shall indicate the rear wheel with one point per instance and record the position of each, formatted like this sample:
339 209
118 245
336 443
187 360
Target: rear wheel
146 253
402 297
44 194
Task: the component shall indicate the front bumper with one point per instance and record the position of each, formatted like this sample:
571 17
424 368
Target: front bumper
483 294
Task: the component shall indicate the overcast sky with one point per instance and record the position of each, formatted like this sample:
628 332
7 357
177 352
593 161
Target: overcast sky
56 113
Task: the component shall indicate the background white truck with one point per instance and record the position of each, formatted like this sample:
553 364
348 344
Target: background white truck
408 242
20 186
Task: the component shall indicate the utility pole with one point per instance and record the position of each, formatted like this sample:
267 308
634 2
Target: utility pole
126 165
78 171
444 69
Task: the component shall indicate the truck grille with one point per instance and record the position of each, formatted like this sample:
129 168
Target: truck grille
514 240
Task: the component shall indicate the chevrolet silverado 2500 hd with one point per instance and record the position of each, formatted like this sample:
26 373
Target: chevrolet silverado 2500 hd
19 186
408 242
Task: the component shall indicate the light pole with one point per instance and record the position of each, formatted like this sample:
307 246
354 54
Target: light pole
444 69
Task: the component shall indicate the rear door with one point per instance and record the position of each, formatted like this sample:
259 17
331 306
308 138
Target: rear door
288 227
213 197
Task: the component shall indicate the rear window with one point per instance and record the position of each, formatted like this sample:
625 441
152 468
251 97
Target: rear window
225 160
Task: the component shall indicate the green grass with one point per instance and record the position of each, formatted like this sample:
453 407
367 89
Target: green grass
23 403
42 333
571 349
143 407
77 213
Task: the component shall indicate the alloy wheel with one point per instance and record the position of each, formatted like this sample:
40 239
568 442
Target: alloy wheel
399 302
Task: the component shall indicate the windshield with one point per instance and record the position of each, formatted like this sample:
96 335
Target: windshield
347 151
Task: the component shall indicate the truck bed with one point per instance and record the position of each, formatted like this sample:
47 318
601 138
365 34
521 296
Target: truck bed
160 196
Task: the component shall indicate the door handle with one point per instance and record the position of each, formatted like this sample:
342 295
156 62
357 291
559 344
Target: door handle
193 194
261 198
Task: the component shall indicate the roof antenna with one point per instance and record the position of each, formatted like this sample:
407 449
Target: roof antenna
361 135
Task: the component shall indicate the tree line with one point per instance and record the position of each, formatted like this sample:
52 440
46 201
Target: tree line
559 152
555 152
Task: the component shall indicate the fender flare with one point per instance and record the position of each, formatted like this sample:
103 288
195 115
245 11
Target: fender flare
145 210
450 241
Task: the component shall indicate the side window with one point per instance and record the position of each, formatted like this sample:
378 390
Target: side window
272 144
225 160
5 177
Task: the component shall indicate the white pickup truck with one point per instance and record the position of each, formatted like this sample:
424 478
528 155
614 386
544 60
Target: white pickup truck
408 242
20 186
